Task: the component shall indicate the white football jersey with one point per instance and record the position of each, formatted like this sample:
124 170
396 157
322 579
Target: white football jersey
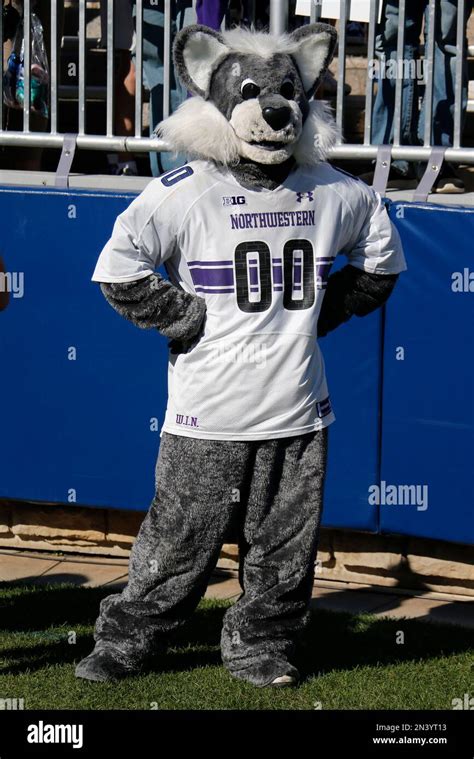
261 261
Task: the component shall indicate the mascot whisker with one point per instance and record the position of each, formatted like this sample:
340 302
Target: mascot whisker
247 231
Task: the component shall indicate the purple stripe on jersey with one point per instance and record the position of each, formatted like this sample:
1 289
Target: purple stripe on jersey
210 263
277 275
212 290
324 258
217 277
253 271
322 273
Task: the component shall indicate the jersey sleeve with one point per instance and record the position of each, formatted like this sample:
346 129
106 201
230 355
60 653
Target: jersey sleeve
143 237
373 243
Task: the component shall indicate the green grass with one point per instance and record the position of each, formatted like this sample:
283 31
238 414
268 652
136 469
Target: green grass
348 661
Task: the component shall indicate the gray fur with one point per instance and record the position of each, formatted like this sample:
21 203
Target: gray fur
269 176
254 45
269 75
105 664
351 291
225 94
155 302
280 482
270 67
217 66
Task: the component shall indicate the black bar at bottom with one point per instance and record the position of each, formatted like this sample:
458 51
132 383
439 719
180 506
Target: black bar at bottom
211 733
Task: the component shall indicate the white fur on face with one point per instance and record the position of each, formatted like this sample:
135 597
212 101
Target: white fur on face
263 155
250 127
320 133
199 129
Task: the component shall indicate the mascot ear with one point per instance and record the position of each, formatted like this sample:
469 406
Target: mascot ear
314 49
197 50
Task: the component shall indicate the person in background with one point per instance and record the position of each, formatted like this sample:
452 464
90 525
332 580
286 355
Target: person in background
125 84
211 12
356 33
124 118
236 12
26 159
412 123
182 14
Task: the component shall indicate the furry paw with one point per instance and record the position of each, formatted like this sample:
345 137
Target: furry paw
100 666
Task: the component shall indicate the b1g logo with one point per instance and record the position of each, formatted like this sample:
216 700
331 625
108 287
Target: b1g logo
233 200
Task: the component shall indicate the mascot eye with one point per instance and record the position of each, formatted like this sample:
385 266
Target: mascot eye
249 89
287 90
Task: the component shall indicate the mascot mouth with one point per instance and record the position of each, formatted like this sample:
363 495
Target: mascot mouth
269 144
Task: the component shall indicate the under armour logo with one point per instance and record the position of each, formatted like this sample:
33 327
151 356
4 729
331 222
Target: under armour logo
300 196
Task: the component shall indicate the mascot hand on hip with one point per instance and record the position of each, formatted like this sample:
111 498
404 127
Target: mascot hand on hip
247 232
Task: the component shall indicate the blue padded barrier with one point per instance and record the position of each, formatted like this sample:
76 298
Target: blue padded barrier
428 379
79 383
84 391
79 423
353 368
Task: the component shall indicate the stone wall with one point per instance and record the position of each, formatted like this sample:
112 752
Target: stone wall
390 561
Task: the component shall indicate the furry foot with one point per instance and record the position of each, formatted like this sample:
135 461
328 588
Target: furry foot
271 673
100 666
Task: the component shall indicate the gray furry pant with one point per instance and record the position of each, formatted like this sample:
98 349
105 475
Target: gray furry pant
270 491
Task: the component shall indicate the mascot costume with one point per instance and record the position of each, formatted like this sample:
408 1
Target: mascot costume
247 232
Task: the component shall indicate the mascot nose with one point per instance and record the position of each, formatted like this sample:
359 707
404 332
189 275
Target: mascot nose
277 117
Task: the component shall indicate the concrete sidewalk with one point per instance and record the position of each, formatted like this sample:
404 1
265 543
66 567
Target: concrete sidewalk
41 568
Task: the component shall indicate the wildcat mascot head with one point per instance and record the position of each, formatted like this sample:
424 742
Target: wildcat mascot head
253 94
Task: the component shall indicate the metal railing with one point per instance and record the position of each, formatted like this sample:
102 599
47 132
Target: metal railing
278 22
108 142
367 149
